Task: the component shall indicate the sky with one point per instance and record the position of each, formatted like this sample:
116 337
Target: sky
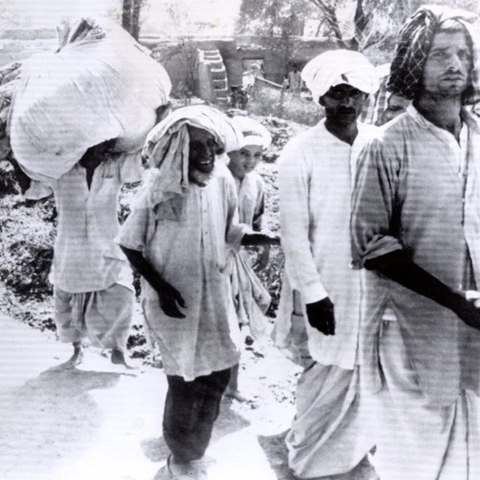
48 13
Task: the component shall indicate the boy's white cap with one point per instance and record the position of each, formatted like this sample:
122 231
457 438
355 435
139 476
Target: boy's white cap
254 133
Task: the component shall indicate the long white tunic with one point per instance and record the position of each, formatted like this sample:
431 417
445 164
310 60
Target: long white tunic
86 258
250 297
316 172
189 251
415 193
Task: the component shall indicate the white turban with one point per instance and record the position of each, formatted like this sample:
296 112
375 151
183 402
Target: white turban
205 117
254 133
337 67
166 149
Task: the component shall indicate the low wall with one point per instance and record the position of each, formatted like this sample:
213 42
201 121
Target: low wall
268 98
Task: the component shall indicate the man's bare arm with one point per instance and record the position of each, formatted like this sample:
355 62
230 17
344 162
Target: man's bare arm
169 297
400 268
260 239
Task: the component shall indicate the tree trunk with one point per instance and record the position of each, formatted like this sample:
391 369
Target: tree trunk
127 8
131 16
361 21
330 19
135 25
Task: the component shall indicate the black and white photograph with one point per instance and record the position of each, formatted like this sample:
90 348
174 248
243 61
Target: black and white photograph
239 240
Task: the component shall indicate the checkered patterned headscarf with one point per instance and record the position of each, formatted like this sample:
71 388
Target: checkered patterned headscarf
413 44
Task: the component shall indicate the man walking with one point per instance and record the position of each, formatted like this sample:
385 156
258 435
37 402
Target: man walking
320 305
176 237
416 229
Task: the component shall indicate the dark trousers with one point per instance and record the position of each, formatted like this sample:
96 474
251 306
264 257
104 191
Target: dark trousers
191 409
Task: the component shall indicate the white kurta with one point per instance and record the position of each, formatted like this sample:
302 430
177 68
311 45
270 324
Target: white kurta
418 190
329 433
316 172
250 297
86 258
251 200
89 270
415 193
189 252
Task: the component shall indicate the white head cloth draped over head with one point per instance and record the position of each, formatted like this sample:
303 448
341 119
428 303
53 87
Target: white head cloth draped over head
166 149
337 67
254 133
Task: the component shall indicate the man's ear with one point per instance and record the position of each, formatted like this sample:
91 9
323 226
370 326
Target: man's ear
321 101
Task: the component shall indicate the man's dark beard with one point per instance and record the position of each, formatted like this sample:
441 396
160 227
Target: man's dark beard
199 178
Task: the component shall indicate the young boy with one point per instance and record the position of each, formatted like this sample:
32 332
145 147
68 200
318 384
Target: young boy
176 237
250 297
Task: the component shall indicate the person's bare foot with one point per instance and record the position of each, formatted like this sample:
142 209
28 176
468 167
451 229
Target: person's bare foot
236 395
76 359
118 358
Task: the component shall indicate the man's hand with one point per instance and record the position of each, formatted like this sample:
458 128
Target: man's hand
21 177
168 296
473 296
321 316
399 267
170 299
162 112
467 310
262 258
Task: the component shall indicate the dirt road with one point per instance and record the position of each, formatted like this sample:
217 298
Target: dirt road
102 422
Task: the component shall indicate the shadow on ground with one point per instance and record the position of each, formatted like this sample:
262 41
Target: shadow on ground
277 454
53 414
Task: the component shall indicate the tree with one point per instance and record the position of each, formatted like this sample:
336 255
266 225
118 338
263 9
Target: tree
279 21
374 23
360 24
274 18
328 9
356 24
131 16
377 22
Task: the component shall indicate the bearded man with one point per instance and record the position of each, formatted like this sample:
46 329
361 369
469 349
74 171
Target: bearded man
416 229
176 237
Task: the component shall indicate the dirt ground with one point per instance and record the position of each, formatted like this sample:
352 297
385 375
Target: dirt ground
103 422
100 421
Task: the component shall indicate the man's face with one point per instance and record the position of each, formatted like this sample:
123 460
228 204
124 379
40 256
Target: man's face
343 104
448 64
245 160
203 148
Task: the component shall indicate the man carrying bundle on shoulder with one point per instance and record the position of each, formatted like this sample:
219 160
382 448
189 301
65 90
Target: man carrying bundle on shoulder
82 141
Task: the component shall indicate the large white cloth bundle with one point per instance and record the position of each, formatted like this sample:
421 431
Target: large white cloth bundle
99 85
